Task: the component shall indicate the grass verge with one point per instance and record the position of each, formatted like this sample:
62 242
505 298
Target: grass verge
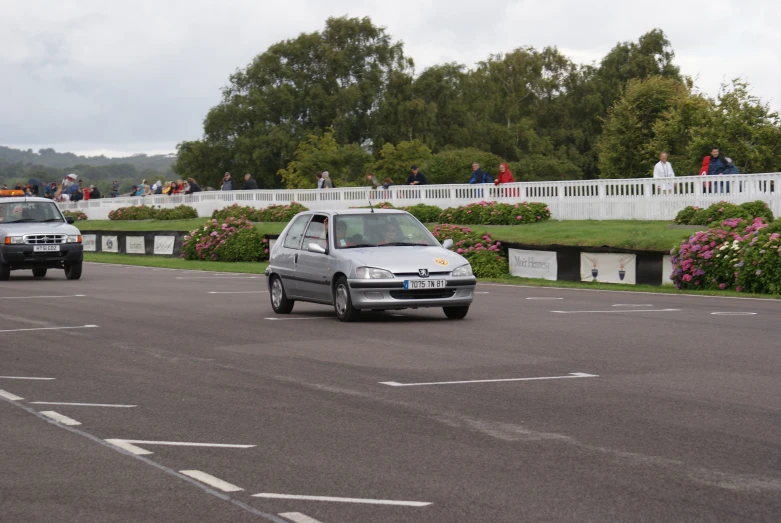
176 263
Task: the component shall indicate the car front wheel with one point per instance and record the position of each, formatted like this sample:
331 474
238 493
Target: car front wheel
279 300
456 313
343 303
5 271
73 270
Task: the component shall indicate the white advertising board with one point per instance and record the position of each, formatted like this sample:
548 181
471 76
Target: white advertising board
667 270
89 242
109 244
533 264
608 268
135 245
164 244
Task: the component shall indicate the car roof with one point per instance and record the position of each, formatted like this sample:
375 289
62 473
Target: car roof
357 211
21 199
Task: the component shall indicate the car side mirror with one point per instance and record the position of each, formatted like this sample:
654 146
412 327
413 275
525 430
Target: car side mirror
316 247
70 219
447 244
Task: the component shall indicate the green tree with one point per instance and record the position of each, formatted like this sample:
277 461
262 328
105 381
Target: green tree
455 165
346 164
395 161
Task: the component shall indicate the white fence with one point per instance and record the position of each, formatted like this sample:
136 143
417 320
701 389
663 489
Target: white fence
626 199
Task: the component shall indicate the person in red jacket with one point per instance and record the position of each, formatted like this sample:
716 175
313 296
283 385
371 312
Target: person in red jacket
505 176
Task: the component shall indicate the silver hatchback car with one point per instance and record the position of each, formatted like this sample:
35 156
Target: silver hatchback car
361 259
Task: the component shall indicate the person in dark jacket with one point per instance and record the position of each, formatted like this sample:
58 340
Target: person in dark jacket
193 187
416 178
94 193
717 165
228 183
479 176
731 167
249 183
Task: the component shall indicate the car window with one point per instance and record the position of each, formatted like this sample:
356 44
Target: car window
316 232
11 212
377 229
296 231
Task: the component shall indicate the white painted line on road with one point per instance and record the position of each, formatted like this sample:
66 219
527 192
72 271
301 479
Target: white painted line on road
733 313
542 298
211 480
297 517
9 396
343 500
216 277
288 319
81 404
138 451
23 378
632 305
34 297
56 416
130 445
50 328
616 312
482 292
236 292
571 376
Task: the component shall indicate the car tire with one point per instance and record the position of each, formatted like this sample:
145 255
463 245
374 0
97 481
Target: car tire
456 313
343 303
279 300
5 271
73 270
40 272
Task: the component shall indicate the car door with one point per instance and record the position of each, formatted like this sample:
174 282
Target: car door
285 261
313 270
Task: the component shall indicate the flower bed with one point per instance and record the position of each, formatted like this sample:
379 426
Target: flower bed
272 213
77 215
737 256
718 212
424 213
230 240
482 252
493 213
145 212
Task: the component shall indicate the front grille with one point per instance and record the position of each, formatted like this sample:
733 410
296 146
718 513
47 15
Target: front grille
416 275
422 294
38 239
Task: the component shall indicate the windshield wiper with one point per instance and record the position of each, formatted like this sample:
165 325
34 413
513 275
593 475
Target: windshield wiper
51 220
402 244
359 245
23 220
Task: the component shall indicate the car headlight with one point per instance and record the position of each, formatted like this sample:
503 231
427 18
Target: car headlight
371 273
74 239
13 240
464 270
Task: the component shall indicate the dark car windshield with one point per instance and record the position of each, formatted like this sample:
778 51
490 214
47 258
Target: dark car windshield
29 212
380 230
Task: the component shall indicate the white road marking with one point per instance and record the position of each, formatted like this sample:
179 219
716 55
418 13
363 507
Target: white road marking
288 319
616 312
217 277
733 313
632 305
81 404
211 480
344 500
23 378
297 517
33 297
50 328
542 298
482 292
56 416
236 292
9 396
130 445
572 375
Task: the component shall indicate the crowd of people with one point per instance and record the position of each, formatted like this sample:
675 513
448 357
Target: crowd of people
713 164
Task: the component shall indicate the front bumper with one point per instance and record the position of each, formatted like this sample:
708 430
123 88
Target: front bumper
390 294
23 257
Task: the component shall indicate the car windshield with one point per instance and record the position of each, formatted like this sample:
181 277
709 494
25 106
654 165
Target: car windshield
29 212
380 230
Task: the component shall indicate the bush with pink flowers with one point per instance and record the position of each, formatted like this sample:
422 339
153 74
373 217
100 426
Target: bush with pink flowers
231 240
494 213
272 213
484 253
736 256
77 215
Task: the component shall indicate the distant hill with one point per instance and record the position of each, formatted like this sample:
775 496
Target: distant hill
48 165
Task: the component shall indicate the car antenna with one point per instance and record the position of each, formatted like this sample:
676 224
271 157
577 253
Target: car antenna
370 204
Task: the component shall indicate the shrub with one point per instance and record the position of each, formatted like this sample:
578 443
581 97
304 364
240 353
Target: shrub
231 240
144 212
685 215
424 213
718 212
455 165
77 215
482 252
758 209
492 213
272 213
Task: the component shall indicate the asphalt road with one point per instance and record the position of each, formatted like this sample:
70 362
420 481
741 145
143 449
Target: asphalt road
660 410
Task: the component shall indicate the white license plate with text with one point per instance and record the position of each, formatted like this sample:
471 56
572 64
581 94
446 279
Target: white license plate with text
424 284
46 248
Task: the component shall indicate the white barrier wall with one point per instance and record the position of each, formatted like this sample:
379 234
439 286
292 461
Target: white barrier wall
626 199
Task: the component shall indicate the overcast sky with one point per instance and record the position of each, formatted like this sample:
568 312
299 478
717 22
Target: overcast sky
139 76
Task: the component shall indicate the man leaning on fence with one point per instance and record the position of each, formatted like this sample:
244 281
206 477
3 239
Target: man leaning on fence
664 170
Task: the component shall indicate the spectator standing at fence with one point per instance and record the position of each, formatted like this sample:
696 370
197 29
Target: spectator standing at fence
716 163
731 167
192 187
94 193
228 183
319 178
415 177
249 183
327 183
479 176
387 182
373 181
505 176
664 170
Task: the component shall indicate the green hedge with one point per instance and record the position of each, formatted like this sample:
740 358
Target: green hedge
493 213
272 213
229 240
482 252
144 212
718 212
77 215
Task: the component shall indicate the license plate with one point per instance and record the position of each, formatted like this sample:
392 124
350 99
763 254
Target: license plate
424 284
46 248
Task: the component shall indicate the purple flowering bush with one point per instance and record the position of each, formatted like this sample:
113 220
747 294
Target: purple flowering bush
77 215
272 213
483 252
231 240
493 213
737 256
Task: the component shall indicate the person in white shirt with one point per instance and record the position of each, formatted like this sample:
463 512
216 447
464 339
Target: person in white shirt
664 169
